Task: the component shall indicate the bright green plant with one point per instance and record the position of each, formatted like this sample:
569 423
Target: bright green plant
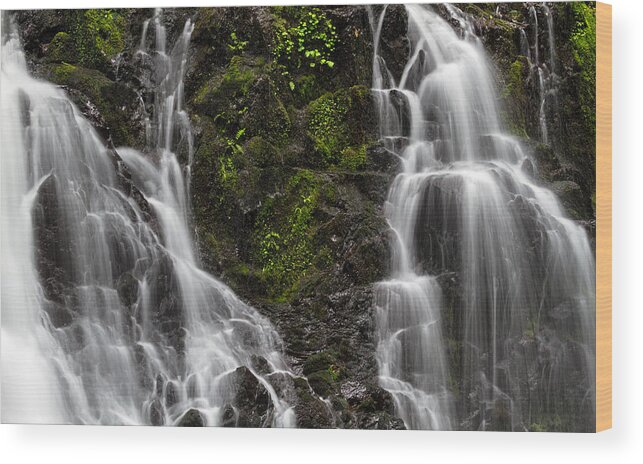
237 45
98 36
310 42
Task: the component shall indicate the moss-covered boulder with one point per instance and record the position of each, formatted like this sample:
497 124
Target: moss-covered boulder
102 99
340 125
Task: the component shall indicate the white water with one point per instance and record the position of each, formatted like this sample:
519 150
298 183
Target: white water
177 342
27 377
543 71
462 205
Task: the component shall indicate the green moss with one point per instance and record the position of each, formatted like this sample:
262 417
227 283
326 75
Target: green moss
261 152
334 129
514 92
353 158
64 72
238 77
321 382
285 234
277 125
515 78
108 97
307 88
218 94
98 36
322 372
327 126
318 362
583 41
62 48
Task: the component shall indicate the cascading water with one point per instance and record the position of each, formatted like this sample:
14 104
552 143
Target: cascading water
543 70
487 321
29 382
107 318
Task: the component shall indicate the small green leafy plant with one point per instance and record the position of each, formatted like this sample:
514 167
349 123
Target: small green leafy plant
227 169
236 45
286 248
310 42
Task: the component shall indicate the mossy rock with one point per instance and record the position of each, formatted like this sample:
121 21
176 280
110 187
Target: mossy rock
321 382
285 230
311 411
307 88
261 152
318 362
267 115
224 89
515 95
62 48
115 102
353 158
340 124
98 36
322 372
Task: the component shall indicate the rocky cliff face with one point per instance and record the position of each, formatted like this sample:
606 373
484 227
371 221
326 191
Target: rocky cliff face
288 178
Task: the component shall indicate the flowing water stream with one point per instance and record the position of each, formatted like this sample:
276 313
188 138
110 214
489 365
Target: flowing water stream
487 320
107 317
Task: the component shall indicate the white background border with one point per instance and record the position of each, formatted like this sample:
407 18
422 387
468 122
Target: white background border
622 444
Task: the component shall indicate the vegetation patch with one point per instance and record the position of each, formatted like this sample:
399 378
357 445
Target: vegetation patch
98 36
303 37
106 95
285 234
334 127
217 94
516 96
61 48
583 41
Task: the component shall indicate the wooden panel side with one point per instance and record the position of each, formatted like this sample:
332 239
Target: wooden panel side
603 216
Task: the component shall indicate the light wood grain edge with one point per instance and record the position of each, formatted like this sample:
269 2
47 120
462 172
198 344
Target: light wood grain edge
603 216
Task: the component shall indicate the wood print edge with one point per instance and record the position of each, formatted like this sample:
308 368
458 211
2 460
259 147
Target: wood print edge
603 216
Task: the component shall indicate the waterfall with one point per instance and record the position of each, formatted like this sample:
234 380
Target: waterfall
29 385
542 71
487 320
107 317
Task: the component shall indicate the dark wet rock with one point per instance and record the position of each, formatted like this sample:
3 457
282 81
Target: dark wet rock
171 394
127 288
39 27
156 413
192 418
394 43
310 410
252 401
571 196
229 417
